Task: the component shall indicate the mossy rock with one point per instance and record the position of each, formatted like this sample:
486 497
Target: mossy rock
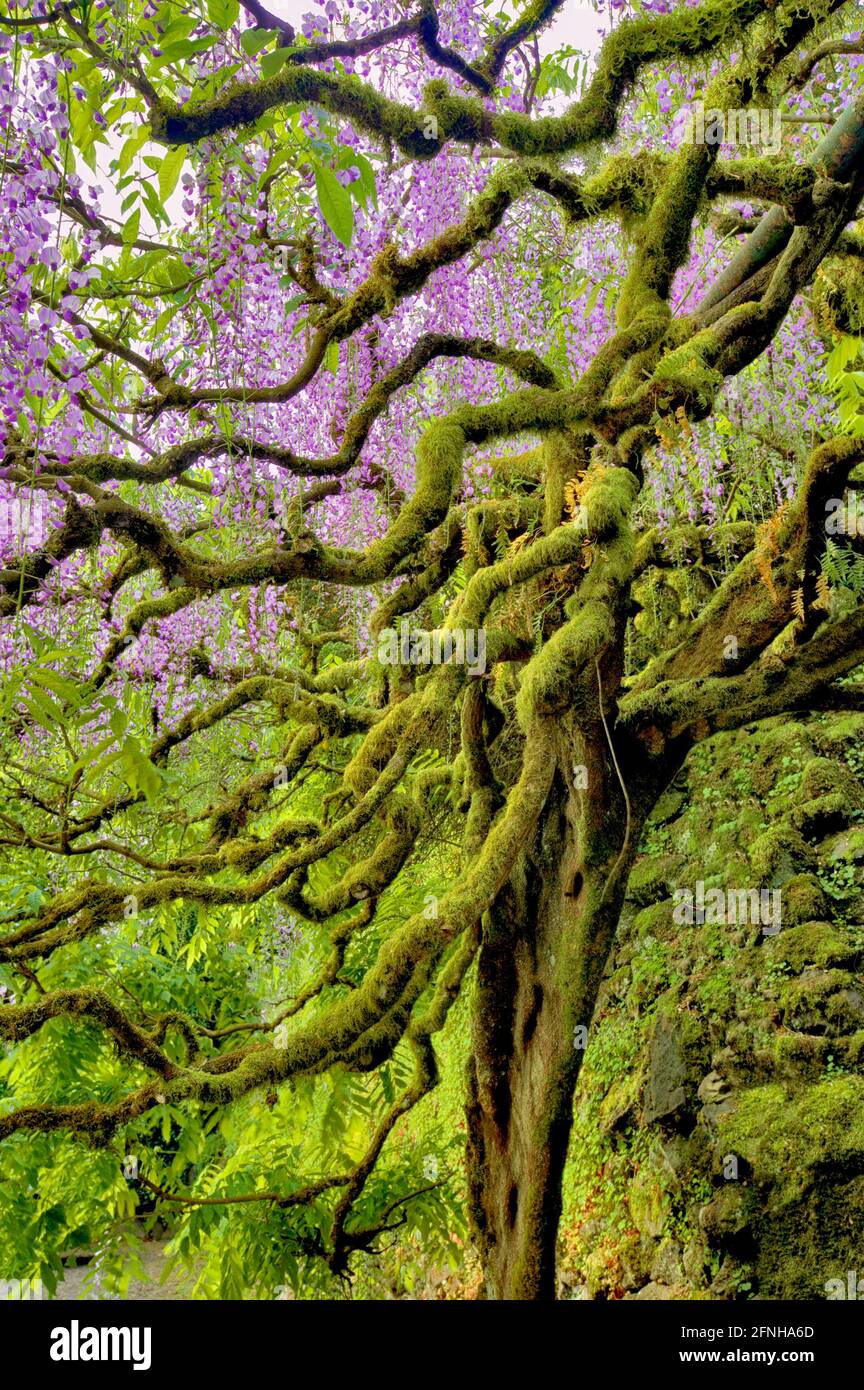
771 744
650 1204
716 991
846 848
822 816
801 1056
811 943
728 1214
823 1001
650 879
719 997
779 854
829 793
845 1012
656 1293
613 989
803 901
676 1063
616 1267
850 1050
655 920
819 1239
825 777
805 1148
596 1271
838 297
621 1104
668 1264
808 1056
669 806
839 732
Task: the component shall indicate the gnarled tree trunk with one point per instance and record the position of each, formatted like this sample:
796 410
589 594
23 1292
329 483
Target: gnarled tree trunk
545 946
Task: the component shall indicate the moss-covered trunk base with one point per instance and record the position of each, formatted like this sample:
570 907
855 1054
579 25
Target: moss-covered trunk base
545 945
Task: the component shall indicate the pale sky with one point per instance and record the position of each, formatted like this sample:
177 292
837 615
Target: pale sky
577 25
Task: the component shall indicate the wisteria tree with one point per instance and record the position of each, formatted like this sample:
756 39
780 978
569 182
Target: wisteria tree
413 446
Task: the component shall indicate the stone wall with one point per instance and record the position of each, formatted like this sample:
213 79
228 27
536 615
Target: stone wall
718 1146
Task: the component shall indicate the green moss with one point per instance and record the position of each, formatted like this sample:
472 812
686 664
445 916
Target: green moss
838 297
784 1135
779 854
650 880
803 1202
655 920
718 992
803 900
812 943
688 372
825 777
808 1001
649 1202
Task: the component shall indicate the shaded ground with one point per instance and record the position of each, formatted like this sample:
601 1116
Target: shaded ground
79 1280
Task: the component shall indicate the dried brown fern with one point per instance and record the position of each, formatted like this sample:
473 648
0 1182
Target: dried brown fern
798 604
824 596
767 548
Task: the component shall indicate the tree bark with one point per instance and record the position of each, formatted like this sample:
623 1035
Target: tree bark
545 945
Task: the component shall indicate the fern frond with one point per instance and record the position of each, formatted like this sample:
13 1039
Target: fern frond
823 594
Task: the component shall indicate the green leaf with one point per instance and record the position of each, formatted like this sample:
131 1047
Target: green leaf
130 228
66 689
169 171
280 157
166 316
335 204
110 114
147 261
272 62
35 640
223 13
365 185
131 148
117 723
847 412
185 48
139 771
93 754
81 125
46 712
178 29
253 40
846 350
331 358
154 207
